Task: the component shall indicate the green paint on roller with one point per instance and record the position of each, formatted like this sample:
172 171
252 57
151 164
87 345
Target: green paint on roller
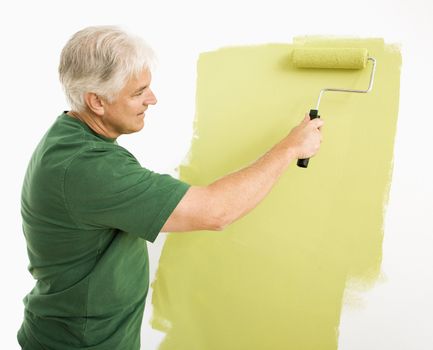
339 58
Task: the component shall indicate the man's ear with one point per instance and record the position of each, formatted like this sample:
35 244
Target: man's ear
94 103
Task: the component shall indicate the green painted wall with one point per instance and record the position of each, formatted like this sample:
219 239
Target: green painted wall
276 278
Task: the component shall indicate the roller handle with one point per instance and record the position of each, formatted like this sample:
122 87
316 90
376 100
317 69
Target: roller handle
303 163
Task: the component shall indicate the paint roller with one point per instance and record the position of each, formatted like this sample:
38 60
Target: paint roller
332 58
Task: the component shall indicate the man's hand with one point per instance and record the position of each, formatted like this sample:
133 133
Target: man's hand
304 140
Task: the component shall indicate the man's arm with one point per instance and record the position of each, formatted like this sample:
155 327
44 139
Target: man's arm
217 205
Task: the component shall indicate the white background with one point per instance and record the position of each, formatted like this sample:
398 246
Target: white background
397 313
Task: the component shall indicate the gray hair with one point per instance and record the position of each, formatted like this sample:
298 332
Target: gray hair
100 60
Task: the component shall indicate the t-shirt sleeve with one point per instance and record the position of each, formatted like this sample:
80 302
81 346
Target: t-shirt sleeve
108 188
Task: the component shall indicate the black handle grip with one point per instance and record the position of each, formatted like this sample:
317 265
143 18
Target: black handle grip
303 163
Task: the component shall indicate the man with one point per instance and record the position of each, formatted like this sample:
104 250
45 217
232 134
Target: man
88 206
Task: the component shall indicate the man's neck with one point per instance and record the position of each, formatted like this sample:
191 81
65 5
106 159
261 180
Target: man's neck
93 122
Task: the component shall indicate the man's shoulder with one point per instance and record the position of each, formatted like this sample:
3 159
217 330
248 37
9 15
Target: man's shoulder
96 151
96 158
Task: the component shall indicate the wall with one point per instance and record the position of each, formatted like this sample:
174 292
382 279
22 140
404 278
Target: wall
396 313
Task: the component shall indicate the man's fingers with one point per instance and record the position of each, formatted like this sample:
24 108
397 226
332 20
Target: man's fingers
317 123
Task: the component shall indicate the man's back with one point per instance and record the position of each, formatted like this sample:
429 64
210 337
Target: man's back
81 195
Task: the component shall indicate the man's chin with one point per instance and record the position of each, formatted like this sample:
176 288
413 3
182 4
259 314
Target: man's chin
136 128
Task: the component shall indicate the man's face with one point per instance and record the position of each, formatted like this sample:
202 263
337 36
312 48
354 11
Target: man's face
125 115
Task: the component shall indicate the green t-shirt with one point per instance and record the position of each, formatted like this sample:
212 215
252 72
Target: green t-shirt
88 208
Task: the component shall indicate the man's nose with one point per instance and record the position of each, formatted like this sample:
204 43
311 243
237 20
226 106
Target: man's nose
150 99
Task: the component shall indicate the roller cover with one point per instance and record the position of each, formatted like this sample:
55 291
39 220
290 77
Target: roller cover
342 58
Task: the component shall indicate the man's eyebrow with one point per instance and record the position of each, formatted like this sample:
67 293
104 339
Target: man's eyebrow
141 88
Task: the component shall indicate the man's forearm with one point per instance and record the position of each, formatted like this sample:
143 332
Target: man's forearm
236 194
